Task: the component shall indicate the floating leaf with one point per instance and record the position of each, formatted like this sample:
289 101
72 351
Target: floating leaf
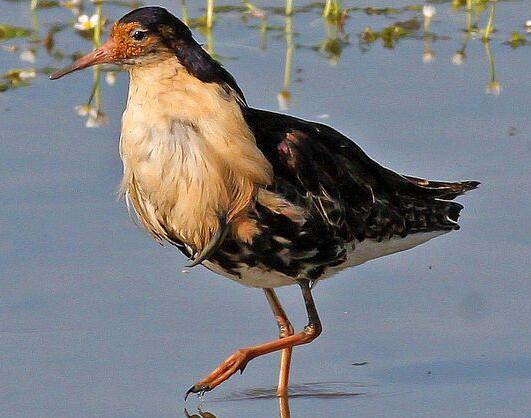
47 4
17 78
391 34
9 32
277 28
373 11
368 35
516 40
229 9
410 25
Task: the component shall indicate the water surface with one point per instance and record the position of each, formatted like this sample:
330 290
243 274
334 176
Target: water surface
97 320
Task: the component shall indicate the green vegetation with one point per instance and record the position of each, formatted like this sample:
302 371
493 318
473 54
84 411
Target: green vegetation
517 39
10 32
392 26
390 35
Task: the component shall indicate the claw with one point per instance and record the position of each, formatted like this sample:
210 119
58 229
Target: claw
191 390
196 389
243 368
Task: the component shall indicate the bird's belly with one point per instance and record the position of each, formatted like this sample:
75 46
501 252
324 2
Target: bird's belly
357 253
370 249
253 276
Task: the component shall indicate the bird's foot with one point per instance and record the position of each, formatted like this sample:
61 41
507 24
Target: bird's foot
237 361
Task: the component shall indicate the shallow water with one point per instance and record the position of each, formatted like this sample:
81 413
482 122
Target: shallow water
99 321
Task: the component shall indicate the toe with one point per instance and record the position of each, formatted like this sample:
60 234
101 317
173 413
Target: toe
197 388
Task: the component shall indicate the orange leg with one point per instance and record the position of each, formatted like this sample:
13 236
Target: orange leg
285 330
239 359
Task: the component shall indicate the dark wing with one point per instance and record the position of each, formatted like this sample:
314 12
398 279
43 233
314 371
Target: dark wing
319 168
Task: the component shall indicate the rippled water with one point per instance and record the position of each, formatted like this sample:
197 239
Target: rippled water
99 321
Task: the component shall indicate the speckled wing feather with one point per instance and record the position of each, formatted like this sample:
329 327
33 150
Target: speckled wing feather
351 192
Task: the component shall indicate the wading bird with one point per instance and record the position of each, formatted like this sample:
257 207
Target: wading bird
262 198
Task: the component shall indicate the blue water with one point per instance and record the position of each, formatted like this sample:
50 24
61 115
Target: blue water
97 320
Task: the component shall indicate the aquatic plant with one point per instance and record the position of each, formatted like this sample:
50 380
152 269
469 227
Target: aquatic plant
412 22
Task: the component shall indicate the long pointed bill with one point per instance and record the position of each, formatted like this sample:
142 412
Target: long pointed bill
102 55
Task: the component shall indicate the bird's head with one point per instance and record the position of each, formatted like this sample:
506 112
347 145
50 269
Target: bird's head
144 35
150 34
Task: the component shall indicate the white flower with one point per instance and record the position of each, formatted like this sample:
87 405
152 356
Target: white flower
110 78
86 110
528 26
428 11
27 56
458 58
96 121
85 23
494 88
428 57
27 74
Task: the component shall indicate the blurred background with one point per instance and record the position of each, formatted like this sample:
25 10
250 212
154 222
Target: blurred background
97 320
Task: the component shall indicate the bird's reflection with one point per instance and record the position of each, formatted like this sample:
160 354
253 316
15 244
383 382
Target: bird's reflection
200 414
319 390
283 410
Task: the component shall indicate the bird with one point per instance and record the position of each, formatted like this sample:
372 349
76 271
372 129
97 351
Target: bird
262 198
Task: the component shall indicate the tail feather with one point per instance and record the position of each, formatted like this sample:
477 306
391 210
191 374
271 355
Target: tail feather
454 209
443 190
432 215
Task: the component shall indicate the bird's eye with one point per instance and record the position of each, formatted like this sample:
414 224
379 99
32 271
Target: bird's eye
138 35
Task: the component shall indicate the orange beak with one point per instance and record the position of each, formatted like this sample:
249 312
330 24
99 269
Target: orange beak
103 55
